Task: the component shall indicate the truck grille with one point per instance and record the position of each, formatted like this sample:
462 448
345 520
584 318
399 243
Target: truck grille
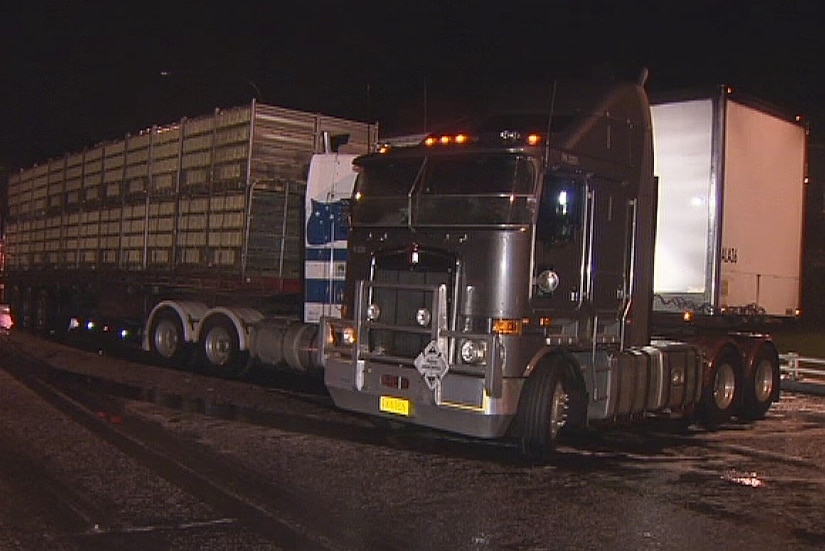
403 294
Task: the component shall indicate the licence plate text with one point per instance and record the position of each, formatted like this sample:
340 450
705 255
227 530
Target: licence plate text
398 406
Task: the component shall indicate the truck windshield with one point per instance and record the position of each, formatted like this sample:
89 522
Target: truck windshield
476 189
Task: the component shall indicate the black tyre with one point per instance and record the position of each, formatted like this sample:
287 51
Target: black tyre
543 411
721 398
761 387
166 339
220 349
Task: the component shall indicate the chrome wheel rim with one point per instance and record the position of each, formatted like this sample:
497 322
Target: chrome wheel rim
724 386
166 338
558 410
218 346
763 381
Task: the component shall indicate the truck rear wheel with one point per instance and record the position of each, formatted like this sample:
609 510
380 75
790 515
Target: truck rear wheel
220 349
762 386
166 339
543 411
721 397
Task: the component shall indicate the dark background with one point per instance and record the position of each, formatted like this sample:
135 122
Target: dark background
76 73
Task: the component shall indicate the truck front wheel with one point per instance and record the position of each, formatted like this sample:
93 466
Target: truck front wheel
721 397
543 411
220 349
761 386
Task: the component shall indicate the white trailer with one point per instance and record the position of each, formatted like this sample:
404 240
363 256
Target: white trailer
730 206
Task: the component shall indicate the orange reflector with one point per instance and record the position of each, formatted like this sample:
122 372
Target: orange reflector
687 316
533 139
545 322
508 327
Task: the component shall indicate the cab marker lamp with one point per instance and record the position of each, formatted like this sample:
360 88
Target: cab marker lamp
507 136
447 139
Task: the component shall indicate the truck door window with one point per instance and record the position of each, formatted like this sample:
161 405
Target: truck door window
559 209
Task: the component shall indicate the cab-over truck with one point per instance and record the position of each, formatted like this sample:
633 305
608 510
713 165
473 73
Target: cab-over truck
500 279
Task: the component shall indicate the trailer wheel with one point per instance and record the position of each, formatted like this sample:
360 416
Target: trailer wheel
762 386
166 339
721 397
543 411
220 349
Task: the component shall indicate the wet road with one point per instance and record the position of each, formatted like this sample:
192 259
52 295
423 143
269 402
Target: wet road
100 453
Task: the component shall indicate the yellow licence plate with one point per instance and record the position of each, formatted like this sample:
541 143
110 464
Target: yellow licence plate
398 406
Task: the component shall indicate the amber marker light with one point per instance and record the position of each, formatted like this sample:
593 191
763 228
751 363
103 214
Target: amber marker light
508 327
533 139
687 316
461 138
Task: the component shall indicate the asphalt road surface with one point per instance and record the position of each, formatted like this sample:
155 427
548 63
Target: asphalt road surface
98 452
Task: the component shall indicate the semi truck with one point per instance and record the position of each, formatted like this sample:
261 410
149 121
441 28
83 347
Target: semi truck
496 281
188 238
500 278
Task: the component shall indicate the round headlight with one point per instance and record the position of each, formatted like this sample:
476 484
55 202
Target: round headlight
373 312
473 352
423 317
548 281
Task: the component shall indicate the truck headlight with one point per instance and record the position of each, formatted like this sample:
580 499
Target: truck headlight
423 317
344 337
473 352
373 312
348 336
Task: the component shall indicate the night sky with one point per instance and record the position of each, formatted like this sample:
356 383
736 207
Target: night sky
77 73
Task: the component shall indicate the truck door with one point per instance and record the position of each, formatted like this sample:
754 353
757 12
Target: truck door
583 241
562 245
